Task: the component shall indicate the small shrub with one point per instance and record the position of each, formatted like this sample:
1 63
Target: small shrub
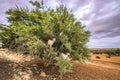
108 56
98 57
64 66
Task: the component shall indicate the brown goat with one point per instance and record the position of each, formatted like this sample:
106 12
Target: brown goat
51 42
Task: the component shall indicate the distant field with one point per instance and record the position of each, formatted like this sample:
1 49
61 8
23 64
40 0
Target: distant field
104 48
114 51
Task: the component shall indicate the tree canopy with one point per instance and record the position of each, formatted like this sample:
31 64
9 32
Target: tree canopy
29 30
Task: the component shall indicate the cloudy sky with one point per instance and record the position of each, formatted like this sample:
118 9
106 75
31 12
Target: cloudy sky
102 18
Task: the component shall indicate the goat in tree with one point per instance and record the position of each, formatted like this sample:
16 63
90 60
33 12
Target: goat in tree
51 42
65 56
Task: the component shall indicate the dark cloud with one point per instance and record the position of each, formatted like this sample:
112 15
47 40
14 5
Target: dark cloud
102 18
108 25
105 25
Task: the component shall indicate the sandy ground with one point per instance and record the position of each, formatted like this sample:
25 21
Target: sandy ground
24 67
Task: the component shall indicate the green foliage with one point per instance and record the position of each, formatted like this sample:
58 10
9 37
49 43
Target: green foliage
64 65
107 51
117 51
29 30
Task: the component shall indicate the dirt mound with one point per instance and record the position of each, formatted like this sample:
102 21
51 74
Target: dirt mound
25 67
14 56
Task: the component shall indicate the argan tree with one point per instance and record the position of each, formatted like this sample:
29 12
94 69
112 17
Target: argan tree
29 31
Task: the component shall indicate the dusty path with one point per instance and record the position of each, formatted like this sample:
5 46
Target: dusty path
21 67
112 63
92 72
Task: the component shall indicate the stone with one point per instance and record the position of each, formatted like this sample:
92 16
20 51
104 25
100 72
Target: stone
43 74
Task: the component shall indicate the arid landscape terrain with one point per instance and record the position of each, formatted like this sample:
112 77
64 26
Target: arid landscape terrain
60 40
15 66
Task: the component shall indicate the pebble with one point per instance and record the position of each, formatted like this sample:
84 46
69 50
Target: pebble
43 74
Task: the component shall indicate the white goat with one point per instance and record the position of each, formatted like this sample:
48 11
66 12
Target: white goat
51 42
65 56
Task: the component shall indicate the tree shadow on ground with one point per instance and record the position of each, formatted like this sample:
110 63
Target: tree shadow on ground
6 70
26 71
